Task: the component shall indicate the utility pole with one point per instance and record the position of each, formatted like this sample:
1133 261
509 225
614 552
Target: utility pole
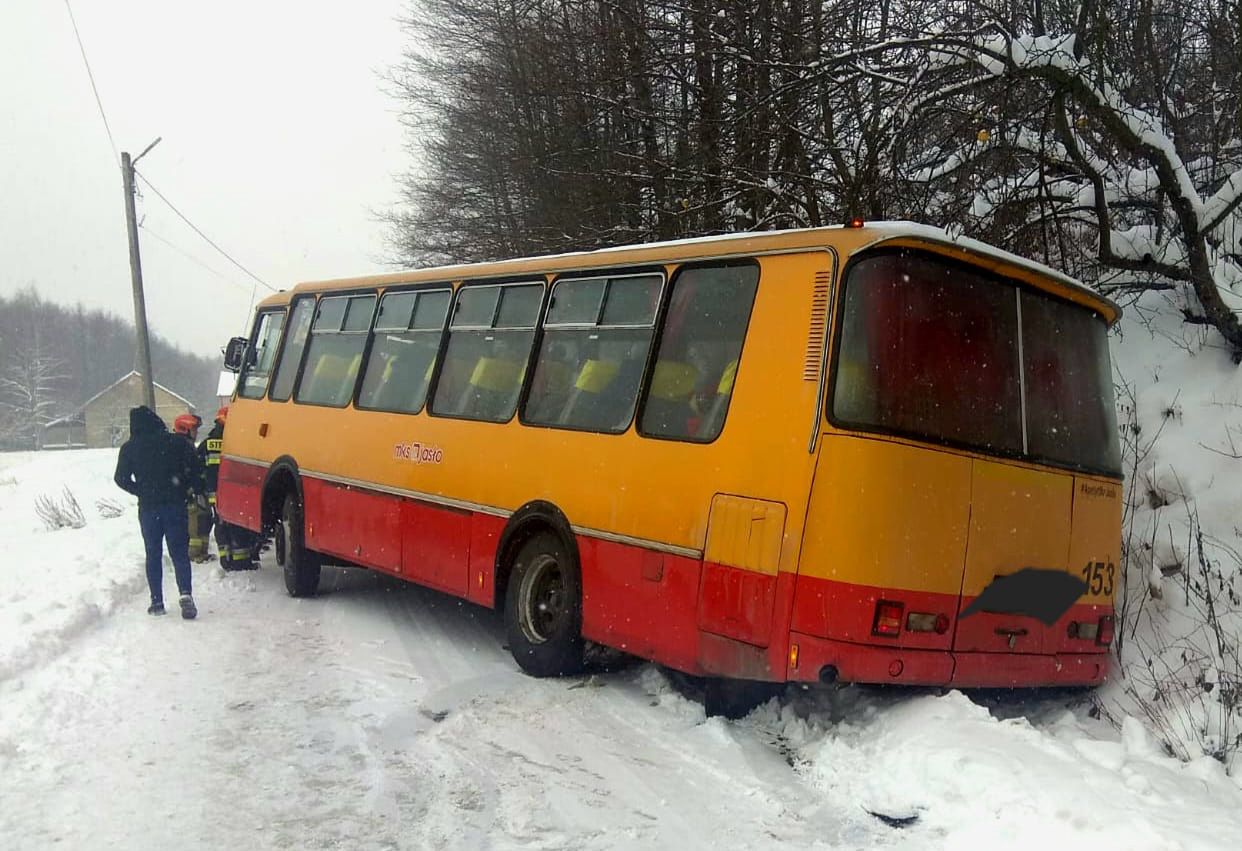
143 354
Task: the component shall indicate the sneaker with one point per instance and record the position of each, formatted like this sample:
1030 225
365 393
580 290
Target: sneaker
155 609
188 610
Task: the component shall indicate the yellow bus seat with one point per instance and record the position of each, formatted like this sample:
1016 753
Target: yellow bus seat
668 408
587 405
330 374
710 424
673 381
493 385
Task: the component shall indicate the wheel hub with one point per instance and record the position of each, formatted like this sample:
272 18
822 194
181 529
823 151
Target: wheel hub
541 599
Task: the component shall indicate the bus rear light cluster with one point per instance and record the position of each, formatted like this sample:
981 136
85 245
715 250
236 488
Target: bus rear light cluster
887 618
1100 633
1085 631
927 622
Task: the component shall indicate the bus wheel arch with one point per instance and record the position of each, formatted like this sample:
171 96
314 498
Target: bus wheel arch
529 520
282 480
539 589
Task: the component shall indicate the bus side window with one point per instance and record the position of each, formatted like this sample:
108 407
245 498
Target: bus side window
334 353
407 339
490 337
596 338
262 354
295 344
699 352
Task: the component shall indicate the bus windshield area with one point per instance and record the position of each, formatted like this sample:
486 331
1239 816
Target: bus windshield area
940 351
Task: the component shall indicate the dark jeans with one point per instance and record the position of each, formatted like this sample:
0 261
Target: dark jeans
169 522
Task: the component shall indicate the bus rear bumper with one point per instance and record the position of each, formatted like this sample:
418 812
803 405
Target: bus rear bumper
821 659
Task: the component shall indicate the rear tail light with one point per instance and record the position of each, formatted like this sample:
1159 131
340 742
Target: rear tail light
1105 634
887 618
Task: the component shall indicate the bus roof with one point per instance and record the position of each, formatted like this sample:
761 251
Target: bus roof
845 239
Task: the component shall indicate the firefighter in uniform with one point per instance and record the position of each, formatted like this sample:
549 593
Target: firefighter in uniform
197 511
234 544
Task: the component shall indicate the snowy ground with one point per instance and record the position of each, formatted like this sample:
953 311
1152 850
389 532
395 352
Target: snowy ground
382 715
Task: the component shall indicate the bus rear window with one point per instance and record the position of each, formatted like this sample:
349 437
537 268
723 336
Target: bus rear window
1069 385
930 349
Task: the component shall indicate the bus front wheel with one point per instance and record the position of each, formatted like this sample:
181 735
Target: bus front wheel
543 608
300 564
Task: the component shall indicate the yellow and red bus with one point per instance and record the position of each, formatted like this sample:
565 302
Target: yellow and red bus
808 455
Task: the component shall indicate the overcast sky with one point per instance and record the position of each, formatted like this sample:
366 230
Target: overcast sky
278 142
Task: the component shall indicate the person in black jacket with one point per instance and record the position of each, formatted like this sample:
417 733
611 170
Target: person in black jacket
160 469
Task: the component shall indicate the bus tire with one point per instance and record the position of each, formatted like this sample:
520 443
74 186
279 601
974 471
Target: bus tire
301 566
543 608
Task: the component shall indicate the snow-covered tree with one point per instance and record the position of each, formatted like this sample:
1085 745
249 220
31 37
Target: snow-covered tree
1117 125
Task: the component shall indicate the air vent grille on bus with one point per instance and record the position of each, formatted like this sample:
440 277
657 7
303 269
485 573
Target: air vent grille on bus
817 336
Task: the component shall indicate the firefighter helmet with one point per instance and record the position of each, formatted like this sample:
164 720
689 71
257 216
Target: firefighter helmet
186 424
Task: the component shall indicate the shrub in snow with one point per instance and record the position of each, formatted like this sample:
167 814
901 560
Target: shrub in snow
108 508
60 513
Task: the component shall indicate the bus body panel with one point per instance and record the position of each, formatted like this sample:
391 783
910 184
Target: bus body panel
741 561
887 521
1020 518
239 492
352 523
641 601
435 545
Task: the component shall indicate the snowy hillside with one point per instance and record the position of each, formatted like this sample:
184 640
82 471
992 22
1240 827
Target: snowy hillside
1180 620
382 715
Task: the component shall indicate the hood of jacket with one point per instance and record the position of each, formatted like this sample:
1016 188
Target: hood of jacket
143 420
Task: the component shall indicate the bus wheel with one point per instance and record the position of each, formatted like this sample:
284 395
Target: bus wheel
301 565
543 608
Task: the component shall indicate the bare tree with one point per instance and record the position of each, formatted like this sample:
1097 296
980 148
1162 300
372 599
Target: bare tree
29 387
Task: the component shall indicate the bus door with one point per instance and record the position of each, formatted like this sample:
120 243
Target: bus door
1019 522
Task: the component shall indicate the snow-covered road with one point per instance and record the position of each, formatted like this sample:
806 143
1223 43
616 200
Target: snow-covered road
382 715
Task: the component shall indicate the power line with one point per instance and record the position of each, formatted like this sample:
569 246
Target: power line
188 256
94 88
205 237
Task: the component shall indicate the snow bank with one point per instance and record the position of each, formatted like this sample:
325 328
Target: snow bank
55 584
1181 411
971 779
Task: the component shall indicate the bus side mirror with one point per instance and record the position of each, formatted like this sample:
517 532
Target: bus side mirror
234 353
